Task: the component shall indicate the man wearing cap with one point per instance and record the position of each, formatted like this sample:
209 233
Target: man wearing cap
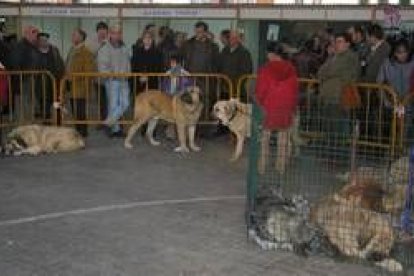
25 56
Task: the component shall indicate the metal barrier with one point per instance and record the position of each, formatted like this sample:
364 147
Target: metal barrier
27 97
91 87
377 116
405 121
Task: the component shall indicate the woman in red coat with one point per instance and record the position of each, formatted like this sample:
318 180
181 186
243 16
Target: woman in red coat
277 96
3 89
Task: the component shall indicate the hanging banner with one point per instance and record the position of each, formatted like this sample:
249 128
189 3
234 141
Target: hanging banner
51 11
9 11
180 13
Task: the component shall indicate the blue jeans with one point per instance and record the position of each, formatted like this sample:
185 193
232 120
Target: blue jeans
117 93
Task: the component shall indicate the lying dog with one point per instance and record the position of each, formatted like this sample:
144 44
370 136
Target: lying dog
183 109
357 232
282 223
236 116
37 139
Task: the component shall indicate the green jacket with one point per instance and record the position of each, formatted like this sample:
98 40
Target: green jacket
338 71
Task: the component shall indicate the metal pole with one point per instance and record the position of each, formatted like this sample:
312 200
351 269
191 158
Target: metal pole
354 153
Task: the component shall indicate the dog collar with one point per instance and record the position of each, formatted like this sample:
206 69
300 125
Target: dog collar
233 115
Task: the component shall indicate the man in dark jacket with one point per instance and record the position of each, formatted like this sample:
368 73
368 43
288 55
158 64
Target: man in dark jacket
359 45
200 53
379 52
235 60
334 75
146 58
25 56
50 60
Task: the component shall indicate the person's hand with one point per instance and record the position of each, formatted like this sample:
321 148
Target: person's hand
2 67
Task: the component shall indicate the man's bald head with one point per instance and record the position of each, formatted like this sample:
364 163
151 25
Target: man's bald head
234 38
115 34
30 33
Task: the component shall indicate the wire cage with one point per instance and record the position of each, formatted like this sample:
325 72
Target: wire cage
333 194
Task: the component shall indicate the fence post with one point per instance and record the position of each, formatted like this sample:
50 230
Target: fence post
253 158
406 222
354 153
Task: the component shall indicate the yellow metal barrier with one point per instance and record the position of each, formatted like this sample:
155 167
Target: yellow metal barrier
405 123
377 116
214 87
27 97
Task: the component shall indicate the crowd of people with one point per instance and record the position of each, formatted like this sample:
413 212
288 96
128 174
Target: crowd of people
361 54
157 50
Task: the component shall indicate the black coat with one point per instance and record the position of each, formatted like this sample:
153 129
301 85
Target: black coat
52 61
25 56
4 53
200 56
235 63
147 61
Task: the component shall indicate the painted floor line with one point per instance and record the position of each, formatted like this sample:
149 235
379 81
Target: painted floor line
106 208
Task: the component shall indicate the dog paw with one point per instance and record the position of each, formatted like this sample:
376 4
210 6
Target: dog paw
195 148
155 143
181 149
234 158
128 145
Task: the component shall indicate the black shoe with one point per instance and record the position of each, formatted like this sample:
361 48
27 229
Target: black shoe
118 134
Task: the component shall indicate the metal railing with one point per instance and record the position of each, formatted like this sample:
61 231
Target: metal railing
377 114
27 97
91 86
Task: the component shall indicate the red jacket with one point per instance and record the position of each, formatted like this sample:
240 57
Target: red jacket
3 90
412 82
277 94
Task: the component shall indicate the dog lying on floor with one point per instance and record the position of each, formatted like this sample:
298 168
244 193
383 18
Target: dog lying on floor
357 232
282 223
237 117
38 139
326 228
183 109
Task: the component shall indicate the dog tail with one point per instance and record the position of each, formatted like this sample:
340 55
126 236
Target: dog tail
390 265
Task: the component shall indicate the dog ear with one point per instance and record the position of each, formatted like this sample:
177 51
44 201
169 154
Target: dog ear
21 142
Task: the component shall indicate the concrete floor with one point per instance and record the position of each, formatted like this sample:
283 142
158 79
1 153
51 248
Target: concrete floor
149 211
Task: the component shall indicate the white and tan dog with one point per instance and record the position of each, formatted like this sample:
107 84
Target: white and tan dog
38 139
237 117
